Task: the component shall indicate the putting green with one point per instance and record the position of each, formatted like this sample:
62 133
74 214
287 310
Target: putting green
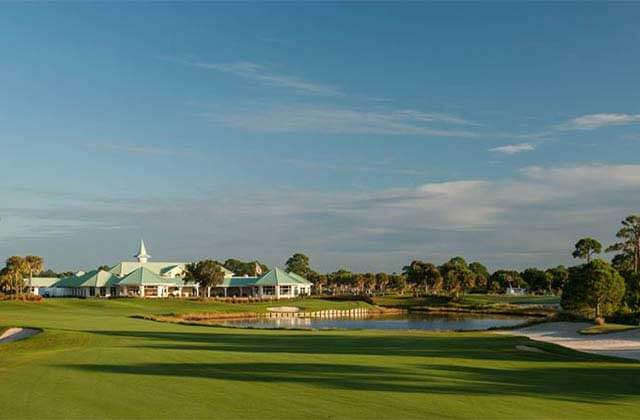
94 361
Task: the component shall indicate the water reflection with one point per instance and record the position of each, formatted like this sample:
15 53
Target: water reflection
431 322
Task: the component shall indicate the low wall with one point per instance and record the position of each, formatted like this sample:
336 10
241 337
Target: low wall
327 313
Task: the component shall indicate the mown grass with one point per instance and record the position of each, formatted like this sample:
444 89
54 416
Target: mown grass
607 329
94 361
482 299
468 300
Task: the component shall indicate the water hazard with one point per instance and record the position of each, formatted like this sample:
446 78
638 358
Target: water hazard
431 322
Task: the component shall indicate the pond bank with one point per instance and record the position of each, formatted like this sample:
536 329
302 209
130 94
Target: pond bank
350 319
214 318
509 310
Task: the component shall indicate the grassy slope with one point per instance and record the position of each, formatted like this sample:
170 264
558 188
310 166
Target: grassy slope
481 299
466 300
607 329
94 361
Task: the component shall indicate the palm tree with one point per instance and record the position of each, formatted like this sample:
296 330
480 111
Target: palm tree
35 265
15 270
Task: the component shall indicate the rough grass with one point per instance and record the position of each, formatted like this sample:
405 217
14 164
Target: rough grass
607 329
94 361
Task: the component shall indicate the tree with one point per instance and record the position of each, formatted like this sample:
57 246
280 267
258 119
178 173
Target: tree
104 268
424 275
319 281
242 268
630 244
398 282
632 290
206 273
503 279
34 265
456 276
537 280
299 264
481 273
13 274
341 279
585 248
382 281
622 262
558 276
595 287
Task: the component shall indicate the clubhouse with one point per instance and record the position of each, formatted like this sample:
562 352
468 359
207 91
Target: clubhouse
142 278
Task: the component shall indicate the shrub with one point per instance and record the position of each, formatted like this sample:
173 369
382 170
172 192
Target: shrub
23 298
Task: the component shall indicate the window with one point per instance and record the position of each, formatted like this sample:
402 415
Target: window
92 291
285 290
268 290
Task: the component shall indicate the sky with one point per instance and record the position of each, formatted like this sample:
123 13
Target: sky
363 135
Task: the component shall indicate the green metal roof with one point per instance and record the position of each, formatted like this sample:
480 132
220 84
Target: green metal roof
274 277
300 279
143 276
126 267
72 281
96 278
278 276
42 281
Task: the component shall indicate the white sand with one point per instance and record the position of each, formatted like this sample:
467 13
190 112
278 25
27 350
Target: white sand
13 334
620 344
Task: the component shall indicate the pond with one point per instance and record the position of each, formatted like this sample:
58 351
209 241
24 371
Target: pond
422 321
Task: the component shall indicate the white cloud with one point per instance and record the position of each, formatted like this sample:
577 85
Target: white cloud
333 120
512 149
261 74
593 121
531 217
591 177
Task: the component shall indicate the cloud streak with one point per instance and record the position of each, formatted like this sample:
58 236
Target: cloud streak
512 149
261 74
594 121
335 120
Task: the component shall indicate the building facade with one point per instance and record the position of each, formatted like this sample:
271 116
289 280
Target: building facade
145 279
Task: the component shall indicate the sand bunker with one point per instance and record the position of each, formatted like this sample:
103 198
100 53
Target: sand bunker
13 334
621 344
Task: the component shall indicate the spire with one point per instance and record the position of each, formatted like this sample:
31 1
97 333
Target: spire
142 255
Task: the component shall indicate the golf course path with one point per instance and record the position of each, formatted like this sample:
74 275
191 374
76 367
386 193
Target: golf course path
13 334
620 344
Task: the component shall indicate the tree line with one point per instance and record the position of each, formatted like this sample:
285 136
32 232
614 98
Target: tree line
595 286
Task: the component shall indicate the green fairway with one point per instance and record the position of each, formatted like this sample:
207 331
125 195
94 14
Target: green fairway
94 361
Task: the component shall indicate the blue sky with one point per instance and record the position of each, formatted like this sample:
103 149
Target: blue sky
363 135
